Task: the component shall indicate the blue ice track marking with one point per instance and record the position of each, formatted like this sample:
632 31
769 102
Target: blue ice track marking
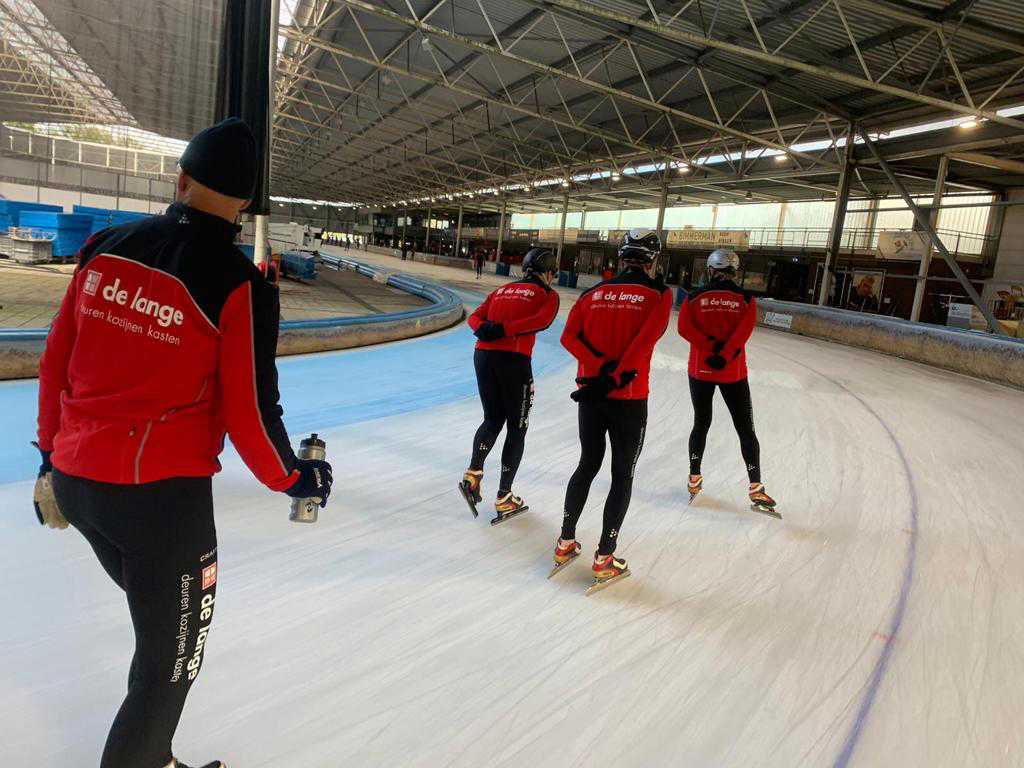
906 581
321 391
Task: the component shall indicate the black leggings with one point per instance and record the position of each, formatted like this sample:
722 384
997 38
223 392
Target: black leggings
737 399
505 380
625 422
158 543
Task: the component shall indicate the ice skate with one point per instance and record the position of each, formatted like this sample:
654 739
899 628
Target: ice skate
565 553
694 485
508 506
762 502
607 570
214 764
470 488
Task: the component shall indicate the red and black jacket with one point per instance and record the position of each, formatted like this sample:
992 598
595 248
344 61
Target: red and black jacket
619 320
165 341
720 318
524 308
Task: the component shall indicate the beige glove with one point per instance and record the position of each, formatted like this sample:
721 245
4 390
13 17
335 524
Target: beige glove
46 504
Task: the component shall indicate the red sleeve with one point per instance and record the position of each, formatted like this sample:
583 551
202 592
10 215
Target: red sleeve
574 341
688 327
537 322
248 380
479 315
53 367
741 334
652 330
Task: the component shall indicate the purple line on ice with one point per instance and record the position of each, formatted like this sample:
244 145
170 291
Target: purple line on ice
850 743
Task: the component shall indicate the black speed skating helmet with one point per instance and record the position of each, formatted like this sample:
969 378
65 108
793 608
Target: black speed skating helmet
539 261
640 246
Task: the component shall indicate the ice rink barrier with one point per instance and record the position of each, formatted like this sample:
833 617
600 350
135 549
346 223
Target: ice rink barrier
973 353
21 348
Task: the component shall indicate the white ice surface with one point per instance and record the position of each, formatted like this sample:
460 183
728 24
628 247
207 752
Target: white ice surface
401 632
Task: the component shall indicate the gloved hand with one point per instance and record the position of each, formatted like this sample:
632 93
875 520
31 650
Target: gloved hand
43 499
716 362
596 387
314 481
717 347
489 331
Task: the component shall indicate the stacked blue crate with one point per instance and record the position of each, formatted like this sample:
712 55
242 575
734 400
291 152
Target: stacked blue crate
10 210
298 264
70 230
108 217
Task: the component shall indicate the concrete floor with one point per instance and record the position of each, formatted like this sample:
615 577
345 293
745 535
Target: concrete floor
30 295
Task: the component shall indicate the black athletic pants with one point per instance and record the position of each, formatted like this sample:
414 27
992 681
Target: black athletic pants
737 399
505 380
624 421
158 543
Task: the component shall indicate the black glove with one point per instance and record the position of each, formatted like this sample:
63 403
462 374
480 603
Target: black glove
489 331
315 480
596 387
46 465
717 362
717 347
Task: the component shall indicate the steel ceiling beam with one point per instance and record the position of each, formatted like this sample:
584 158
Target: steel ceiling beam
764 56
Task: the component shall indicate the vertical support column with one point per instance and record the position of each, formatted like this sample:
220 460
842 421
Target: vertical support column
501 228
922 221
405 222
583 218
662 203
426 241
458 235
835 234
926 260
561 230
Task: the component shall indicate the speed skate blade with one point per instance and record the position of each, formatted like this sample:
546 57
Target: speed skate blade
468 499
560 566
597 586
499 519
770 511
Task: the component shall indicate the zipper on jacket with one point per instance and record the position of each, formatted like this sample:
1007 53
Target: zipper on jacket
142 445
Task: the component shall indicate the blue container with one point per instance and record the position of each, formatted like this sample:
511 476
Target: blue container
10 211
298 264
570 279
250 251
501 268
680 294
70 230
108 217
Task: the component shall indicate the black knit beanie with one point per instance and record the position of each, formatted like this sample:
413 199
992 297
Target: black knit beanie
223 158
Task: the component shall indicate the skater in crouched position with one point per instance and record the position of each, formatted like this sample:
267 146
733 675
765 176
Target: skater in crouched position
611 331
718 319
506 325
164 342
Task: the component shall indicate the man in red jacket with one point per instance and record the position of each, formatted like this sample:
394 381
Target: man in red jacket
611 331
164 342
718 320
506 325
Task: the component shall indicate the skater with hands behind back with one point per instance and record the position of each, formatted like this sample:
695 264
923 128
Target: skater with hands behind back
506 325
611 331
718 320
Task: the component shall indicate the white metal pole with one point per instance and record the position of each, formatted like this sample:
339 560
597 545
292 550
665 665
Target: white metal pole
926 260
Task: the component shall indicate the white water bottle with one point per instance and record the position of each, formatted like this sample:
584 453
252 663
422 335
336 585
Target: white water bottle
306 510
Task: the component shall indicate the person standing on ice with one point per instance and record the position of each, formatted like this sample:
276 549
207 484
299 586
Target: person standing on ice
506 326
164 342
611 331
718 319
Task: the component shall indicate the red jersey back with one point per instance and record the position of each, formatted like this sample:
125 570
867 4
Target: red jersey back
619 320
524 308
720 318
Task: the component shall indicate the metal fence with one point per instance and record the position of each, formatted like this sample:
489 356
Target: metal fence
108 157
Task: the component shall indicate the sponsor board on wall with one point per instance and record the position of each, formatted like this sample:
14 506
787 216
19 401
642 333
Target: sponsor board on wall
588 236
552 235
902 245
738 240
778 320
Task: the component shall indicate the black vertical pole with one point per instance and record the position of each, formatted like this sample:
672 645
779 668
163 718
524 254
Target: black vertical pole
243 82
